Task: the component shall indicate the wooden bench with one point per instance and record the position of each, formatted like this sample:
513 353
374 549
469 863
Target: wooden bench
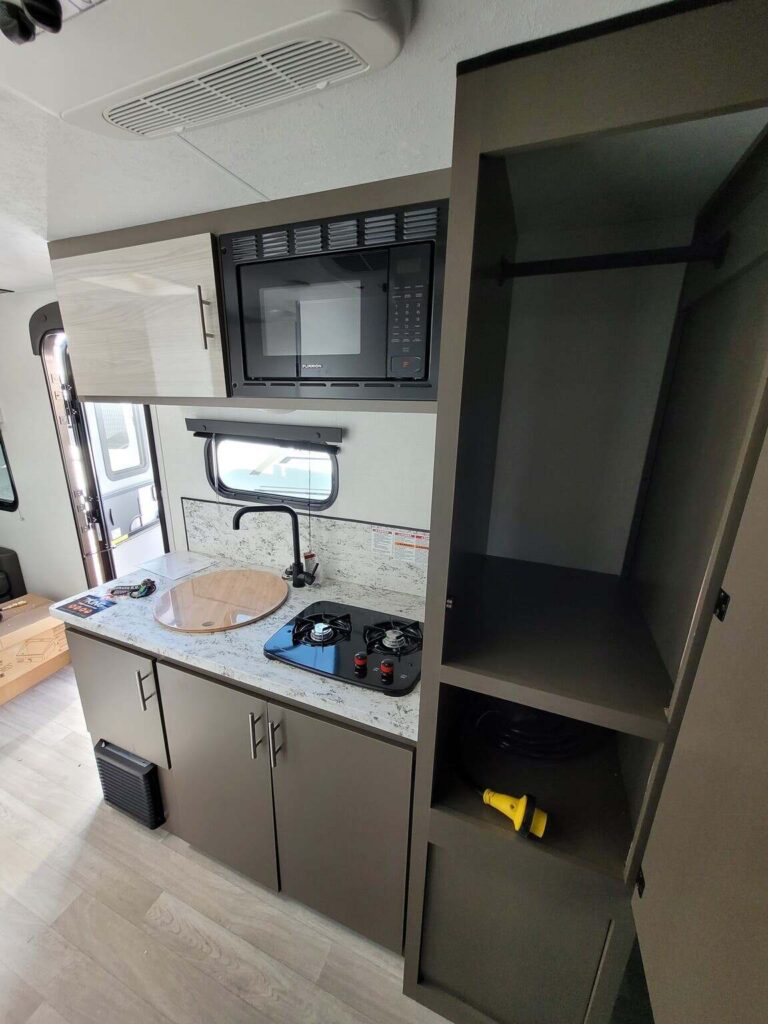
33 645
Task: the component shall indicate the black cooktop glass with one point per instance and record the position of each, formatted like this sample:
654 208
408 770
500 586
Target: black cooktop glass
350 644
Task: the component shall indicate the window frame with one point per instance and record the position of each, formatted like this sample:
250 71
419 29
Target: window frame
13 504
140 427
304 504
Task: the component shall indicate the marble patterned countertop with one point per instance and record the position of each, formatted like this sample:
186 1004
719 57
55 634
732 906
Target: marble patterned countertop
237 654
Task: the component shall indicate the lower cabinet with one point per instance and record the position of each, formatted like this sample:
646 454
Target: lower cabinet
259 786
300 804
118 691
222 790
342 810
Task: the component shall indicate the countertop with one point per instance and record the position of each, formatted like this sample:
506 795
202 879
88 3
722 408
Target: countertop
237 654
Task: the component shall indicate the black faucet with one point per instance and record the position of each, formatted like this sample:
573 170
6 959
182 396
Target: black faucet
298 576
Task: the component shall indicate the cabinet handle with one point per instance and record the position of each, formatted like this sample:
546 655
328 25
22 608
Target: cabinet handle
139 685
252 720
203 302
272 728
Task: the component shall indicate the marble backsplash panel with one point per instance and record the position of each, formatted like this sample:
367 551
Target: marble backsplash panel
367 554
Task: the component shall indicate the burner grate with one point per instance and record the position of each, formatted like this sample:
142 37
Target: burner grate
393 637
321 630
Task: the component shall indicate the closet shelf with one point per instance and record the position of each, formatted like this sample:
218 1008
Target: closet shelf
563 640
588 823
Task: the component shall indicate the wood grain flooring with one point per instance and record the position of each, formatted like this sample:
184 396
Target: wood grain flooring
104 921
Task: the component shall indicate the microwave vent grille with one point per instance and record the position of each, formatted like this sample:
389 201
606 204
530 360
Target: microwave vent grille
342 234
245 248
243 85
420 223
386 228
380 230
274 243
307 239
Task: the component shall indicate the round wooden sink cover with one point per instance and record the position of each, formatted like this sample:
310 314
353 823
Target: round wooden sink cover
220 600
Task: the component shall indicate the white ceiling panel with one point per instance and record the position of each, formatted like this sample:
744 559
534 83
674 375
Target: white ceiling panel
59 180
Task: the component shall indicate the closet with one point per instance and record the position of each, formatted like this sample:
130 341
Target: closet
601 411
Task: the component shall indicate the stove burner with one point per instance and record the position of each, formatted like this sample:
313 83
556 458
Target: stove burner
393 637
321 630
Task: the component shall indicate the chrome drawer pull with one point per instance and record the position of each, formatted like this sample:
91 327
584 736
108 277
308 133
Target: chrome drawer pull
252 720
139 685
203 302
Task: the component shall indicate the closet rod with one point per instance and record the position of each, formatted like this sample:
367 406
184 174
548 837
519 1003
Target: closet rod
713 252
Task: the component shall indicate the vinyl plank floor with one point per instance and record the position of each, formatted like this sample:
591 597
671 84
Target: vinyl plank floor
102 920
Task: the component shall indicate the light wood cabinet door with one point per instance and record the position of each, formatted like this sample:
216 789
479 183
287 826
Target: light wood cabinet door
342 810
121 702
143 321
220 773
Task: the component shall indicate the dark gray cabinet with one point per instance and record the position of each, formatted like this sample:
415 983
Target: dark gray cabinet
342 810
221 772
120 698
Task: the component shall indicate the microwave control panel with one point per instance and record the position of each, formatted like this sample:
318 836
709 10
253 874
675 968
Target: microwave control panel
410 272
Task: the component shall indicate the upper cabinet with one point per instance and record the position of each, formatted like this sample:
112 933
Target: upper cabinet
143 321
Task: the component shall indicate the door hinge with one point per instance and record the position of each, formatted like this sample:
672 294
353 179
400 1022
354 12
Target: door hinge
721 604
449 604
640 883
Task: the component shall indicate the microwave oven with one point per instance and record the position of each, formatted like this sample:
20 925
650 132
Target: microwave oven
345 307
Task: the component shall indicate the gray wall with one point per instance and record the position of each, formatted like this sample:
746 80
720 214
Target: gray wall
572 440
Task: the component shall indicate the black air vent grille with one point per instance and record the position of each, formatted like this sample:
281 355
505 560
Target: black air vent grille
382 227
307 238
380 230
130 783
420 223
342 234
245 249
274 243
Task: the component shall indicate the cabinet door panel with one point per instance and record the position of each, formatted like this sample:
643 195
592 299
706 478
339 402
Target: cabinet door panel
342 809
222 794
116 706
143 321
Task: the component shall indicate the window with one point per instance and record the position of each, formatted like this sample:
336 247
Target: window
121 433
8 498
305 476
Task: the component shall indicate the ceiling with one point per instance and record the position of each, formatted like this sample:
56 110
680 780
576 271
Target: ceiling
59 180
653 174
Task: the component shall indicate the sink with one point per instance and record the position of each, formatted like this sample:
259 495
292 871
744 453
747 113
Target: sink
222 600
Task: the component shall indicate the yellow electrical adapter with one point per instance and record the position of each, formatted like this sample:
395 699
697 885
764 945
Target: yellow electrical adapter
522 811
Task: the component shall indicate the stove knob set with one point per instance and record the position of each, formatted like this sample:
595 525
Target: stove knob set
361 663
387 672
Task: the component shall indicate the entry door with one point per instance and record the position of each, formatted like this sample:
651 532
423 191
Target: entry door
703 919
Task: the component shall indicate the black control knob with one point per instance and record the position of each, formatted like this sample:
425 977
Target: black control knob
361 663
387 672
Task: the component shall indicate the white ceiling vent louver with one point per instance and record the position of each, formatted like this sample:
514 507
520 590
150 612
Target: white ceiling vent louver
238 87
139 69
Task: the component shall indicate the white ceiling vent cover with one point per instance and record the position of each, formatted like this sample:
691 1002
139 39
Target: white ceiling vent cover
141 69
238 87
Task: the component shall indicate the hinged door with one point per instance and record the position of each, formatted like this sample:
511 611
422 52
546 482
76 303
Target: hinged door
222 793
342 810
702 919
143 321
120 698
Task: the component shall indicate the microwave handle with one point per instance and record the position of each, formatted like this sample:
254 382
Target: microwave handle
201 302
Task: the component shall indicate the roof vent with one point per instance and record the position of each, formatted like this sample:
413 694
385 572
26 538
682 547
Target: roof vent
236 88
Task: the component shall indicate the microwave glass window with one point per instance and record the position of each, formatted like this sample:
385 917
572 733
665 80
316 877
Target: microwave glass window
324 318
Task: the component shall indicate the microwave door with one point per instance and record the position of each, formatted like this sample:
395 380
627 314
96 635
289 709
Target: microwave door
342 317
270 321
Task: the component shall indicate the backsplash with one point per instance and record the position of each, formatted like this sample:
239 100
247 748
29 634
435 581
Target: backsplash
368 554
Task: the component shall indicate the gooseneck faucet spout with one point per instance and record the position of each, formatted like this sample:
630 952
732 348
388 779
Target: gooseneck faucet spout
299 577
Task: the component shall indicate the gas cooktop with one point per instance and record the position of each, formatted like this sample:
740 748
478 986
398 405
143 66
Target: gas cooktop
366 648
